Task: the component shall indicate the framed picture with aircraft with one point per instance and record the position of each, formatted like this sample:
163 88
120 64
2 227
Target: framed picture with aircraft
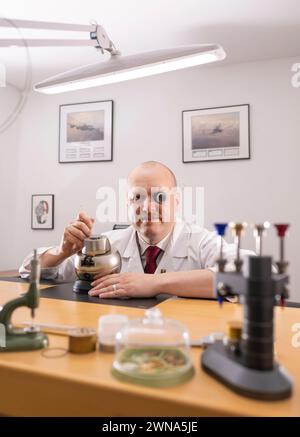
86 132
216 134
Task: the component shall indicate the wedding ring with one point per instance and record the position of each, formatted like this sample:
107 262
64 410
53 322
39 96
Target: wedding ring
114 287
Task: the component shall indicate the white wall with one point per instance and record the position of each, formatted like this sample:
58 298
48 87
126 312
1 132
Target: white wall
147 125
9 98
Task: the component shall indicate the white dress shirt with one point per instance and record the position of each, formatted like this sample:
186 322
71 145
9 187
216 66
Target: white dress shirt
143 246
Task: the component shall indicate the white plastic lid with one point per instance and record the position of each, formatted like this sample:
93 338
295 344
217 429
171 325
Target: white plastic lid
108 326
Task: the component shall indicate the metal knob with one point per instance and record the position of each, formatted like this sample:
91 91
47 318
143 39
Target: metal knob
259 230
237 231
220 229
281 229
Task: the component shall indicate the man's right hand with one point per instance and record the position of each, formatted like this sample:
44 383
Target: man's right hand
75 234
71 242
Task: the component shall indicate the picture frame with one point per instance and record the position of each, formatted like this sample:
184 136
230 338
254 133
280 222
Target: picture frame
216 134
86 132
42 211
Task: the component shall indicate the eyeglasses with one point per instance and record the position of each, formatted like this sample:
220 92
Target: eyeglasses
158 197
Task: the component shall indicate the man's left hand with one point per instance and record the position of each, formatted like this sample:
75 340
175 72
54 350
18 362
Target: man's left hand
127 284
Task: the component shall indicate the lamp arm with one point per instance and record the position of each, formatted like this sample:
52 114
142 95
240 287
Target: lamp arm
103 41
35 42
46 25
98 37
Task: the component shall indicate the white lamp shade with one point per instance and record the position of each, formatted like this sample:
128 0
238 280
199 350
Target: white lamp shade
120 68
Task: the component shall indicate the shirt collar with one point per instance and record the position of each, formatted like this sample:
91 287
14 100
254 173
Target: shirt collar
162 244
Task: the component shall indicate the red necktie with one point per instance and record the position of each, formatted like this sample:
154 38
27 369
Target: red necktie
152 253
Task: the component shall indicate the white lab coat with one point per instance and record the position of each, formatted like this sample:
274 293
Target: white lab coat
190 247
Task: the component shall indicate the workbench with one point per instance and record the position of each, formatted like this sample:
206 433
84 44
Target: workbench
82 385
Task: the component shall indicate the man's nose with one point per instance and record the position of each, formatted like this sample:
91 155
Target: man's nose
149 205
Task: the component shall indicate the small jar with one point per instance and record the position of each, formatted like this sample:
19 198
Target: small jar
108 326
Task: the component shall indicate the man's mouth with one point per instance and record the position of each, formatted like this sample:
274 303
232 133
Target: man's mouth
148 219
149 222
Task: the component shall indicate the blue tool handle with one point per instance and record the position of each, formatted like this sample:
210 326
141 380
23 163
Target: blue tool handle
221 228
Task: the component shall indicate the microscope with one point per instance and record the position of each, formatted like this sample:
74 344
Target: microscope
16 339
245 360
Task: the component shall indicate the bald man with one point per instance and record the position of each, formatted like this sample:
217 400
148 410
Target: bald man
159 254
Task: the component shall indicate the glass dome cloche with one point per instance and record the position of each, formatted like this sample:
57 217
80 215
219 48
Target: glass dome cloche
153 351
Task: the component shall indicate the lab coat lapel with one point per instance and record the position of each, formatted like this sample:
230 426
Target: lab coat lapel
176 251
131 260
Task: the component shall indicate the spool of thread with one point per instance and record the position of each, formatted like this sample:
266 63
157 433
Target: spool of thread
234 330
233 335
82 340
108 326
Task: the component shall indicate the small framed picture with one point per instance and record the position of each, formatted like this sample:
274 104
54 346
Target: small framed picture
42 211
216 134
86 132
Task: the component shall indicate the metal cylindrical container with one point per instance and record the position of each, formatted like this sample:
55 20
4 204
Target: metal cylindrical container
82 340
97 258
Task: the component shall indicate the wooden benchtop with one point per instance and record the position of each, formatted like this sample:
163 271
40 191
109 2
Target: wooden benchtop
82 385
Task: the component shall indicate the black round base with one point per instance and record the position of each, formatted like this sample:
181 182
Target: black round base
81 287
267 385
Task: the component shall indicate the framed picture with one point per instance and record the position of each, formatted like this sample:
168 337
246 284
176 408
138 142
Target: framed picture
216 134
86 132
42 211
